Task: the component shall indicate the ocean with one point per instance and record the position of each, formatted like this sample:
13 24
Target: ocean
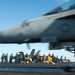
31 69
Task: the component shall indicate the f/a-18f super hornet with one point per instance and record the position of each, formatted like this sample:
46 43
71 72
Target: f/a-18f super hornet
56 27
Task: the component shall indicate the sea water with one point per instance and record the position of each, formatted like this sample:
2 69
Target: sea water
31 69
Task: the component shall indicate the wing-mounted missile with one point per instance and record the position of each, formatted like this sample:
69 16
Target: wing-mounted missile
54 46
53 42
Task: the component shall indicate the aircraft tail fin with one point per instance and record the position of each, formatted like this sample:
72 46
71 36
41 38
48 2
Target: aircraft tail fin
32 53
37 53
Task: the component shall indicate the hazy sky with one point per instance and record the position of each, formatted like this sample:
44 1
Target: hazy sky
13 12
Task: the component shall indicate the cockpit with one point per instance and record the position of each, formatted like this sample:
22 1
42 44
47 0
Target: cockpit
65 7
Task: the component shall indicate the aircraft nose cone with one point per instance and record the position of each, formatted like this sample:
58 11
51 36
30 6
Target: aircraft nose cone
1 36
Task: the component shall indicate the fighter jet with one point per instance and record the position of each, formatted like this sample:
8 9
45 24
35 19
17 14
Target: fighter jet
56 27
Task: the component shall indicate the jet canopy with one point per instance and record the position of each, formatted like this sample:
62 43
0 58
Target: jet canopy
67 6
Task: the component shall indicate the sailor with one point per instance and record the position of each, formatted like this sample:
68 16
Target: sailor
11 57
6 58
40 59
26 58
61 59
16 58
30 59
57 59
37 58
20 57
44 58
3 57
49 59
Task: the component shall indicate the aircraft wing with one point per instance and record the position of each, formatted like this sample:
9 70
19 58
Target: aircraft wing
68 16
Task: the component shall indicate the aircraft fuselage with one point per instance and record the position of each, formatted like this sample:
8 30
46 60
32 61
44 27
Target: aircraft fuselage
45 26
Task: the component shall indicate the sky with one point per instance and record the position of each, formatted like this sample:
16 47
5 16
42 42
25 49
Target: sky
13 12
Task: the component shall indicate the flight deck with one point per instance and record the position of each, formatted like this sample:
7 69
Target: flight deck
37 69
